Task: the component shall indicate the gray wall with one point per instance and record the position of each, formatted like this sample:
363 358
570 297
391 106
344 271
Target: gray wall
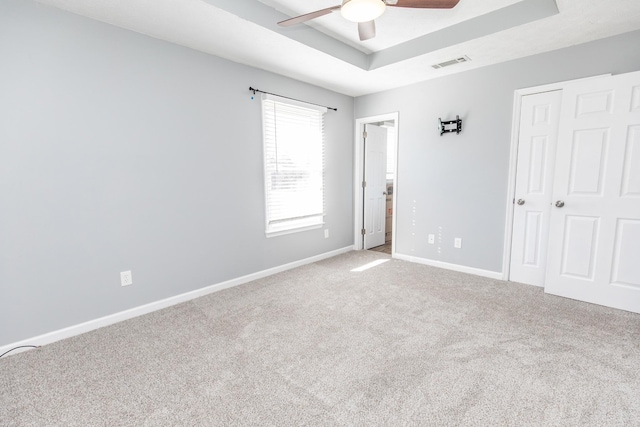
119 151
457 184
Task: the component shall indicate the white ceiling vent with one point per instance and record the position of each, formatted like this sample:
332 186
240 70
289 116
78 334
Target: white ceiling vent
451 62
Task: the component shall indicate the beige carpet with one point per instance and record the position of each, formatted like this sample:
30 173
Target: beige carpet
398 344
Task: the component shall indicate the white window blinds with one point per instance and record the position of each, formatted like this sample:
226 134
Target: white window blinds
293 136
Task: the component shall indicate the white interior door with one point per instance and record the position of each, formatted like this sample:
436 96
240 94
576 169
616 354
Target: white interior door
594 251
375 190
539 118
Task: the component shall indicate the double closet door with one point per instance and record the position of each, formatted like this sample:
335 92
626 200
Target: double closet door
577 200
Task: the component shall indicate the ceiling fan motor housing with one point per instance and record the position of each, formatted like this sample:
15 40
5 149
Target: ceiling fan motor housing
362 10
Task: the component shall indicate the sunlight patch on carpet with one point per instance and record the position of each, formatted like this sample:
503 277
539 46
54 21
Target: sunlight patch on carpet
369 265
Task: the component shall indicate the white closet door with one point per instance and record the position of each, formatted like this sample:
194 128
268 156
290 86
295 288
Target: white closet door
537 140
594 247
375 191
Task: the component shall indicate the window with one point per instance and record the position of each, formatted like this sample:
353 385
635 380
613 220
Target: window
293 136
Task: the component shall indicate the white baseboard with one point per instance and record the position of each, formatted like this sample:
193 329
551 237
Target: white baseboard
448 266
91 325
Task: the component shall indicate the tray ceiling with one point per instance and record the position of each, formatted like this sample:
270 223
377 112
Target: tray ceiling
328 53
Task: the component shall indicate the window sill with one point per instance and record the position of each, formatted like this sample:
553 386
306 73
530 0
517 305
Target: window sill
276 233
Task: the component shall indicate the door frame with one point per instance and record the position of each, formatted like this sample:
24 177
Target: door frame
358 176
513 159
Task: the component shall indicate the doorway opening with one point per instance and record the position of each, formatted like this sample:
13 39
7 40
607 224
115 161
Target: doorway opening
376 182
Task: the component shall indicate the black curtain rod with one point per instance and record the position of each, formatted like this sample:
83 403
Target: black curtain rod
254 90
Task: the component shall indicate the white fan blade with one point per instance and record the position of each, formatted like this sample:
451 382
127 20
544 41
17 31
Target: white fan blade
366 30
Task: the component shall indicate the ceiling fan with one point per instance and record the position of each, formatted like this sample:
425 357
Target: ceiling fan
365 11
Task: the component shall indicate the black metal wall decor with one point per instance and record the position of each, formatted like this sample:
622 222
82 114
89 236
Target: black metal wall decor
450 125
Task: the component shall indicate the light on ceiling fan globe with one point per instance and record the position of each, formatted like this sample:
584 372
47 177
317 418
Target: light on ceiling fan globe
362 10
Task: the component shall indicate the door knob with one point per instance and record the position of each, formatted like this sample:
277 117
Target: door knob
384 193
520 202
559 204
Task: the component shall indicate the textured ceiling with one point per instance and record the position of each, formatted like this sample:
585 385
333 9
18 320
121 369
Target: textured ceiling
328 53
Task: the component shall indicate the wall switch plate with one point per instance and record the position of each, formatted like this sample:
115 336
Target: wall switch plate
432 239
457 242
326 233
125 278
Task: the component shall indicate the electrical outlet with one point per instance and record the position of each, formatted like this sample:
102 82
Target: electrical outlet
432 239
326 233
126 278
457 242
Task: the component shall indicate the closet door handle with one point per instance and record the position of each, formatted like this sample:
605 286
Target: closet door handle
559 204
520 202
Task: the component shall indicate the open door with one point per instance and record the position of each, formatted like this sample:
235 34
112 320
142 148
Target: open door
375 188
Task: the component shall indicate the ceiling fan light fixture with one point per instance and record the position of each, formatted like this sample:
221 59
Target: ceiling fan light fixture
362 10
